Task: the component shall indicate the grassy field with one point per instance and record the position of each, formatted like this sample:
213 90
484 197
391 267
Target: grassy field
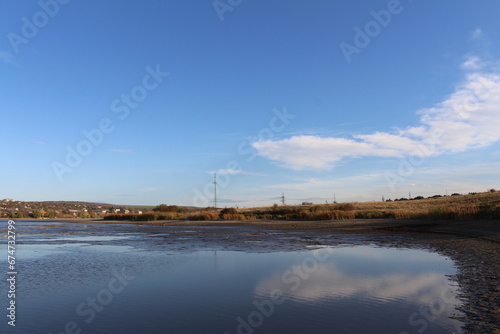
459 207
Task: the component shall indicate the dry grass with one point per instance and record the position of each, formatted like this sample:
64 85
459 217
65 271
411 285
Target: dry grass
462 207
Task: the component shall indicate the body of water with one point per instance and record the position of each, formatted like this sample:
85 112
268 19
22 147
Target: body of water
94 278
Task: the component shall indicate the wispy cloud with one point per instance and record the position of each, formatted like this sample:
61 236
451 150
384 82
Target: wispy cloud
465 120
477 33
230 171
318 184
6 57
472 63
227 200
428 181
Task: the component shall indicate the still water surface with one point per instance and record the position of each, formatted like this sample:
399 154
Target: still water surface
135 279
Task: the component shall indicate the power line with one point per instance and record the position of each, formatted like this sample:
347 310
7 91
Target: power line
215 190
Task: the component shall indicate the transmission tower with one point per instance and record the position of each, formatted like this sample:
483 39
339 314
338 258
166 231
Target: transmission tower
283 199
215 190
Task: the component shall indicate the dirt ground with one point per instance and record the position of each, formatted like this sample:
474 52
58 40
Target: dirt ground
473 245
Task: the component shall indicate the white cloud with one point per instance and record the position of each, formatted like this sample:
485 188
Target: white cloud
472 63
467 119
314 152
328 281
476 33
230 171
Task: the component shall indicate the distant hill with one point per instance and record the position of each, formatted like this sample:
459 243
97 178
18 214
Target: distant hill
10 208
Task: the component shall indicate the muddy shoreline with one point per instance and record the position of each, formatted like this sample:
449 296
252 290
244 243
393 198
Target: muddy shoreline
473 245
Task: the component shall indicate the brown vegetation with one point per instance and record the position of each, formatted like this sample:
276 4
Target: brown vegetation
166 208
457 207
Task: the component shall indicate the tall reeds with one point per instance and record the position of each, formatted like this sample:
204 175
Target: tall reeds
463 207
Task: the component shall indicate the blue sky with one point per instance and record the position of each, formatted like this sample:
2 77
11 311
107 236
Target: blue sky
139 102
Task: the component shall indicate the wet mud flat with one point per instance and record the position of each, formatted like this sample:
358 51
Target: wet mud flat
473 245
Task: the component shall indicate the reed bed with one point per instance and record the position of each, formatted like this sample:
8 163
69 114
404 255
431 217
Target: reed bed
464 207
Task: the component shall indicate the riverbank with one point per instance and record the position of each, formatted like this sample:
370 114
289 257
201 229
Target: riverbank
473 245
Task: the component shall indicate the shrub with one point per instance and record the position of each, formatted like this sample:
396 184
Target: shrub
128 216
51 214
37 214
306 215
166 216
232 216
83 215
228 211
204 215
340 214
374 214
18 214
166 208
319 215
